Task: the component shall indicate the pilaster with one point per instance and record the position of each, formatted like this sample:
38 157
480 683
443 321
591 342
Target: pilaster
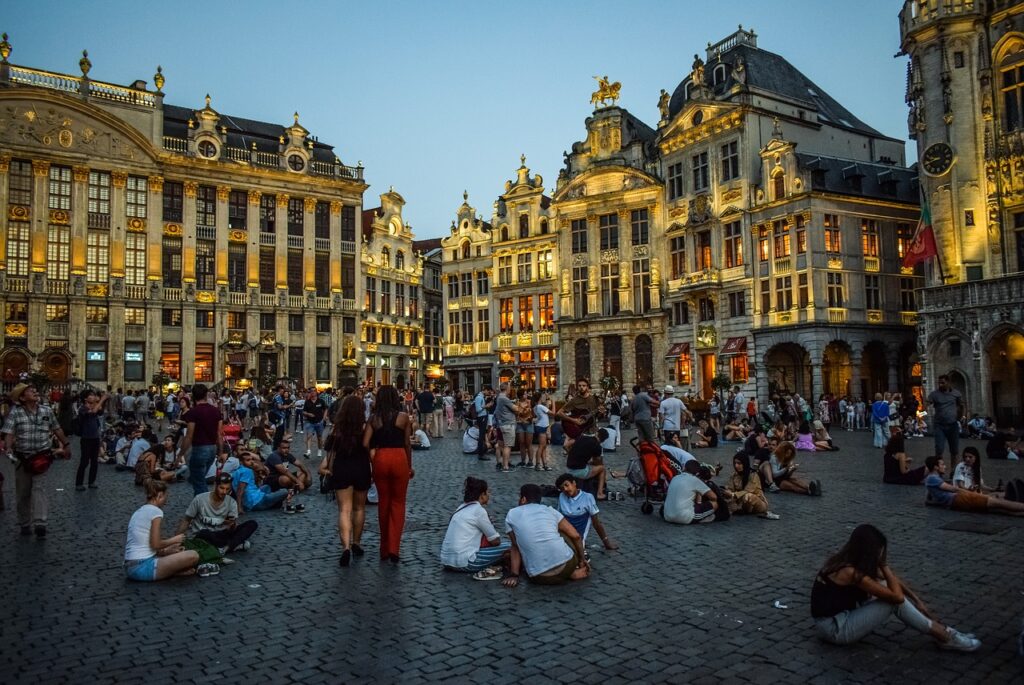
118 181
79 219
223 193
40 215
252 255
281 244
5 166
188 253
308 245
154 232
335 254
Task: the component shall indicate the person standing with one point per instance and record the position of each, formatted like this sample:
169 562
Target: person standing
89 437
347 470
388 437
204 434
505 422
29 430
672 410
947 408
880 421
425 408
479 418
313 411
642 406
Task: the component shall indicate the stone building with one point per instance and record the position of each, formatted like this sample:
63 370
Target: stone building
141 238
469 360
391 335
433 309
965 90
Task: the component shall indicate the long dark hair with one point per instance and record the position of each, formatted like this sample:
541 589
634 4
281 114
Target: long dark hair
473 488
896 444
348 424
865 551
387 407
976 469
744 460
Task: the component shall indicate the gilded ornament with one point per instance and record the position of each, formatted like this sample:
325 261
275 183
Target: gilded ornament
606 91
16 330
80 174
282 201
136 225
19 212
223 192
60 216
84 64
254 197
158 78
5 163
191 188
118 179
335 208
309 204
97 290
65 138
205 296
172 229
5 49
155 184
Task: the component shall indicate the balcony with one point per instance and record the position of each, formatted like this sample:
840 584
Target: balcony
96 331
466 302
837 315
783 265
322 244
296 301
453 350
57 287
268 239
172 294
17 284
57 330
239 299
348 246
236 154
505 341
135 292
872 264
917 14
322 303
268 300
295 242
482 347
698 280
172 144
546 338
524 340
1005 290
135 332
268 159
348 305
206 233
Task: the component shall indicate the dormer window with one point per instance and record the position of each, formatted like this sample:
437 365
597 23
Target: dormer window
207 149
504 233
524 226
466 250
543 226
698 117
385 256
779 186
399 260
719 75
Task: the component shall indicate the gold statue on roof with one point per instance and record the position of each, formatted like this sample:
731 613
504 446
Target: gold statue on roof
605 91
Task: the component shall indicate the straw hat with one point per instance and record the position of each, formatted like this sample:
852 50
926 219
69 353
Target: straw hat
15 394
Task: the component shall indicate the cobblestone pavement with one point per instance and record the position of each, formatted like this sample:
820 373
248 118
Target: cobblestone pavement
676 604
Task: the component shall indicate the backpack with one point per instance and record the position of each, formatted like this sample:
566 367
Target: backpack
253 404
471 411
626 413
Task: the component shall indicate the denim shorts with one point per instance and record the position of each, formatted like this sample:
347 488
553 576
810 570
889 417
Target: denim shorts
140 569
524 428
580 473
317 428
540 430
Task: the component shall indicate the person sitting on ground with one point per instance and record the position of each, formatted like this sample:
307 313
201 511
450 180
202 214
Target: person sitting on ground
1002 445
584 462
147 467
581 510
142 440
281 476
977 428
226 462
213 517
689 499
896 463
822 439
756 446
470 440
609 438
148 556
743 494
736 431
706 436
419 440
232 431
471 544
856 592
249 495
805 438
967 474
543 541
942 494
169 460
778 473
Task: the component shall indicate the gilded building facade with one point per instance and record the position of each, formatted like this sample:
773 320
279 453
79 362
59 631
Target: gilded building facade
965 91
142 239
433 309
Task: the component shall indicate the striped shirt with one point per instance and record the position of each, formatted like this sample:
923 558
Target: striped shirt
33 431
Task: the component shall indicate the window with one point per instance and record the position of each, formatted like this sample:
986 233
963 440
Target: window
505 309
348 223
97 314
399 260
58 252
171 317
467 325
206 264
296 216
706 309
968 217
908 301
18 246
779 187
958 59
803 297
467 284
730 161
173 200
869 237
738 367
641 285
524 268
524 226
453 328
505 270
371 294
96 360
545 265
579 235
780 232
385 256
904 237
954 347
385 335
204 363
680 313
784 293
97 257
609 230
639 227
737 303
295 323
414 301
236 320
833 242
400 299
135 258
134 361
54 312
268 321
348 325
136 197
323 324
453 287
835 289
872 292
206 206
677 254
60 187
238 208
504 233
323 363
543 226
268 213
733 245
483 325
1012 87
609 289
267 270
703 251
322 220
766 296
294 272
699 164
99 199
546 306
526 313
236 267
675 180
385 297
580 284
371 331
204 318
19 182
801 235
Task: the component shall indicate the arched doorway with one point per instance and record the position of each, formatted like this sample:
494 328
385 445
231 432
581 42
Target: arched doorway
836 369
612 345
874 370
644 360
1005 358
958 381
14 361
56 364
582 364
789 370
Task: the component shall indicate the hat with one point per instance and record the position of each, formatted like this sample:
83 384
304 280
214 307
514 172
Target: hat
669 390
15 394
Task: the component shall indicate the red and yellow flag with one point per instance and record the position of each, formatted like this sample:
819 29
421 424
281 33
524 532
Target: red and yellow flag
923 246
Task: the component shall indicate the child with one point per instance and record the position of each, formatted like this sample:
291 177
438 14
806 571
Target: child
580 509
942 494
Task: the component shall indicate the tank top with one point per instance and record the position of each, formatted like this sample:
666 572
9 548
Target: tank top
388 435
829 599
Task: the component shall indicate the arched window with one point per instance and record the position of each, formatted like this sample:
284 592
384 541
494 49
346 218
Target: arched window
399 260
779 186
612 356
582 359
466 254
504 233
524 226
385 256
543 226
1011 83
644 360
719 75
686 90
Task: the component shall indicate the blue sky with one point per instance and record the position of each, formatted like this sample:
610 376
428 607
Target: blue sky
437 97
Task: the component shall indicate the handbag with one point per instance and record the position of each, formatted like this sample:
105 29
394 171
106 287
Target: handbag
37 464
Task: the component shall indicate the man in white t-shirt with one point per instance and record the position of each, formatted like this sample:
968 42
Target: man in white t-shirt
688 499
679 454
420 440
671 410
539 535
470 440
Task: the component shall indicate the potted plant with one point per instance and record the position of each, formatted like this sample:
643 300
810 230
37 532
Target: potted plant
720 383
608 383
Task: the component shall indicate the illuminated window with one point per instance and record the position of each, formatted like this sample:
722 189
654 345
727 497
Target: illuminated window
60 187
738 367
19 182
733 245
96 314
762 243
545 265
703 251
54 312
506 322
99 194
206 264
869 237
904 237
780 231
526 313
58 252
833 241
546 305
204 362
135 258
641 285
801 235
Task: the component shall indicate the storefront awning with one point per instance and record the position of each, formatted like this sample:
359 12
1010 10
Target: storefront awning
678 350
734 346
238 358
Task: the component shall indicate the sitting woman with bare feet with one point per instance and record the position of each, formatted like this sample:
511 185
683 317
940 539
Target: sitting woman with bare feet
779 473
148 556
471 543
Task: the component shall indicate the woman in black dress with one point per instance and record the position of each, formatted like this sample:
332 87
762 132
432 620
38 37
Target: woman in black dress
347 468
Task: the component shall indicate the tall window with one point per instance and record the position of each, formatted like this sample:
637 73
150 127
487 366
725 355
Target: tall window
506 320
730 161
385 297
766 296
524 267
206 264
609 229
579 236
296 215
505 270
677 254
59 313
206 206
641 285
454 332
737 303
546 307
836 295
639 227
173 200
58 252
762 243
579 292
236 267
170 261
348 277
97 257
136 198
399 260
348 223
703 250
467 284
869 237
483 325
414 301
267 270
135 258
784 293
322 220
609 289
801 234
779 187
371 294
524 226
60 187
19 182
699 164
18 245
1012 87
680 313
904 237
453 287
706 309
833 241
675 180
780 231
526 313
467 325
322 274
803 297
545 265
733 245
268 213
238 207
99 199
400 299
908 302
872 292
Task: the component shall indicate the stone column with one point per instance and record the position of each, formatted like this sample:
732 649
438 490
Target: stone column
855 362
308 245
79 220
893 360
335 248
154 230
40 216
188 231
252 255
221 272
628 359
118 213
281 245
625 292
309 347
817 381
154 339
115 343
596 359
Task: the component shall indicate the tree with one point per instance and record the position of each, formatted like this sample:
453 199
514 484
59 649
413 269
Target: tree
719 383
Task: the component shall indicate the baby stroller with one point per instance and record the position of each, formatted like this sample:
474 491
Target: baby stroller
649 473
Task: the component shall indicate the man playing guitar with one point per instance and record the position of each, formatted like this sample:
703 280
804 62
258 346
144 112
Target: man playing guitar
580 413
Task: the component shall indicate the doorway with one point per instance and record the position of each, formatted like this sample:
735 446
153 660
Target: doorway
707 372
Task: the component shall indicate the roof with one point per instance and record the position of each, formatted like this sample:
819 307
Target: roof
840 176
368 216
773 73
427 244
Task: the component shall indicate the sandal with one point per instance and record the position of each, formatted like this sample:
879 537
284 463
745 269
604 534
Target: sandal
489 573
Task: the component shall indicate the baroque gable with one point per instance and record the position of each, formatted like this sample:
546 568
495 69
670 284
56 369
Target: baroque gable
698 121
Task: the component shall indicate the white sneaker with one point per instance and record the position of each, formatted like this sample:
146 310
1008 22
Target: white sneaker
246 546
307 454
960 642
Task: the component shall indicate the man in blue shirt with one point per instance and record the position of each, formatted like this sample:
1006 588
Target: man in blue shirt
480 403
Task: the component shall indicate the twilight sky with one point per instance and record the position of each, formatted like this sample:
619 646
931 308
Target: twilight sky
439 96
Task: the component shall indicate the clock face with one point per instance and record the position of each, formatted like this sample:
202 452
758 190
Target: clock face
937 159
296 162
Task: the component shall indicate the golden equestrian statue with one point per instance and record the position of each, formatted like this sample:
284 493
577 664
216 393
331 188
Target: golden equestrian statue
605 91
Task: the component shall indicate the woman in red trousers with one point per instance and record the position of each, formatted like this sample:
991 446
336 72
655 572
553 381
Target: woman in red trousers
387 436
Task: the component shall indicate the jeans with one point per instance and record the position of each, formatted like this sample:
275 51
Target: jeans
198 464
270 499
644 429
90 452
853 625
947 432
881 432
229 537
481 426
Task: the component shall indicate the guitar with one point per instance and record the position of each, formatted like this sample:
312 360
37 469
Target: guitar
574 430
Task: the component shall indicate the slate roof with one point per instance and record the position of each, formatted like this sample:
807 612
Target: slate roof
881 181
